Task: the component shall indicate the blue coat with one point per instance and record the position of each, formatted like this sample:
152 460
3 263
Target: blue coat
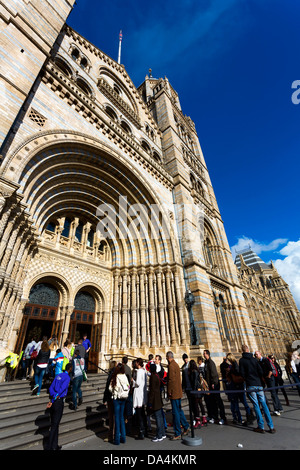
59 386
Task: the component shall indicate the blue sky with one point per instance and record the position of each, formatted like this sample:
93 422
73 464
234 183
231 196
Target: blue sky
233 63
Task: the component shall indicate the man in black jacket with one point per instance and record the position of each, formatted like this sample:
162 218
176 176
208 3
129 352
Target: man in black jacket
252 373
214 401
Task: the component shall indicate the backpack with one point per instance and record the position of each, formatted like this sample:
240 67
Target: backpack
34 354
123 390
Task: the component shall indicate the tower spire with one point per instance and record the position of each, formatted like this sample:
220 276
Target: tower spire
120 43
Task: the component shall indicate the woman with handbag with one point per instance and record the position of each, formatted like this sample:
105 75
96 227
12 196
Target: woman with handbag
78 377
119 388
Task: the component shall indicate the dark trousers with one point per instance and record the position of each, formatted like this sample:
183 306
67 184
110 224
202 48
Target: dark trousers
274 393
216 405
141 420
56 412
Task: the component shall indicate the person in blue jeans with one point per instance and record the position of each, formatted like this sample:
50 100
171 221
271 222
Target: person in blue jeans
174 390
251 371
78 367
119 388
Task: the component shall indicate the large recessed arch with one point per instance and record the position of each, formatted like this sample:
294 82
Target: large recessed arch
60 172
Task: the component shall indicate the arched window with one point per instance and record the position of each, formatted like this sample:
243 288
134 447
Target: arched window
44 294
90 238
51 226
146 147
75 53
125 127
111 113
208 252
78 232
63 66
83 63
84 87
156 157
66 229
84 301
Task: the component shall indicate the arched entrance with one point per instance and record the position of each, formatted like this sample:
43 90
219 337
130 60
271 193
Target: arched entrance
40 314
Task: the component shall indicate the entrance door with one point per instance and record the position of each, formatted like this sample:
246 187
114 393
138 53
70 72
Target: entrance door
39 315
82 322
95 340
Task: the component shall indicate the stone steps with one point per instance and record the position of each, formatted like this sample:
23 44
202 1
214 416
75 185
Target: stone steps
25 422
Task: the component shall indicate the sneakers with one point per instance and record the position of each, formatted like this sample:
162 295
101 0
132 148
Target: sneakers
276 413
157 440
211 420
197 423
34 389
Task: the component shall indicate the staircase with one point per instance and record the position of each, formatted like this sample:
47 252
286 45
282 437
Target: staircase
25 423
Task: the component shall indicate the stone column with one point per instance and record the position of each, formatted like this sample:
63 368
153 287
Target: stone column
115 310
124 311
143 309
133 311
66 326
170 307
161 307
152 309
180 306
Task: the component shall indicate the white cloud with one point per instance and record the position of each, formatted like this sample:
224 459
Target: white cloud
289 268
257 246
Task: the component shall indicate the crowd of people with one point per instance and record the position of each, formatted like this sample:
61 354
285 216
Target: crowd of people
44 360
136 393
133 395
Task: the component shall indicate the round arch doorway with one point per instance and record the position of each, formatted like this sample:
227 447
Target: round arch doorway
40 313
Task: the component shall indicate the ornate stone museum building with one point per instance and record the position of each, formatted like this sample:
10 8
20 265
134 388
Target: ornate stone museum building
109 224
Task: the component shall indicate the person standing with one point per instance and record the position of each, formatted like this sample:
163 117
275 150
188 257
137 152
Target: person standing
186 385
108 402
27 355
41 364
251 371
78 367
57 392
174 390
163 380
234 382
194 379
292 368
140 396
155 403
119 388
129 403
278 379
87 346
214 402
58 362
269 373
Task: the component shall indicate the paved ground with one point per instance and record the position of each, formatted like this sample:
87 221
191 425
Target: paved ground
214 437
